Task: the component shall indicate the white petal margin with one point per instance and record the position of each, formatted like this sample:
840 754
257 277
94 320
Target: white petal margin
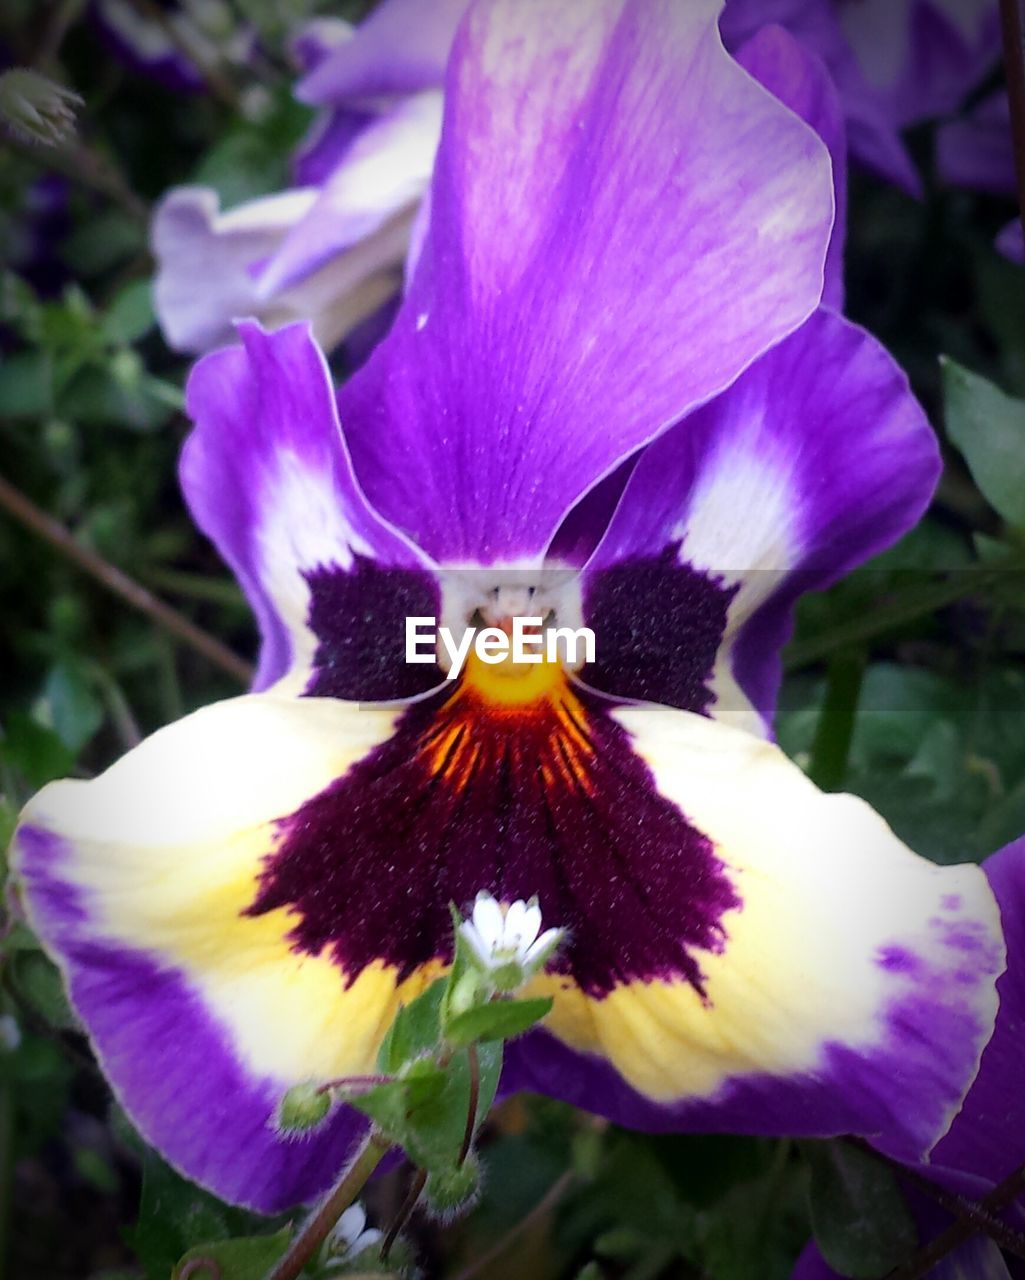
848 954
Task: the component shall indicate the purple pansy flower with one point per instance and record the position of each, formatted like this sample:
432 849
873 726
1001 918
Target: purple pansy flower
618 292
986 1142
331 249
894 62
977 152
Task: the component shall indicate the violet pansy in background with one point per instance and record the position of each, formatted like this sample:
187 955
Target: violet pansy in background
622 276
331 249
895 63
977 152
986 1142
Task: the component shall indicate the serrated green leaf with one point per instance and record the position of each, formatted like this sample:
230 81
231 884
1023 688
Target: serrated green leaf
989 429
498 1020
247 1259
861 1224
415 1031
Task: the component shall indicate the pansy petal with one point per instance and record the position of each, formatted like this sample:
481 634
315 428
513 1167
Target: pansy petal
192 241
400 48
800 80
202 1014
849 986
987 1140
382 176
817 458
872 133
1011 241
268 479
977 152
558 318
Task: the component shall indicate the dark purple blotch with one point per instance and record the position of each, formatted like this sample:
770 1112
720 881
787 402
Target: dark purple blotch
552 802
658 624
359 618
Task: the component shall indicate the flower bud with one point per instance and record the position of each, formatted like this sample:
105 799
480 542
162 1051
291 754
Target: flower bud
302 1108
36 109
449 1192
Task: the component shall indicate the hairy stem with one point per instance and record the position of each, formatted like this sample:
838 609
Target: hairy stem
317 1227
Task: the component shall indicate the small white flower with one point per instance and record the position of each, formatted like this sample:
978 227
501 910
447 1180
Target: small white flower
508 938
350 1236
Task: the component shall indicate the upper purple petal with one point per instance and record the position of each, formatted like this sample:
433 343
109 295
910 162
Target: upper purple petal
622 220
798 77
402 47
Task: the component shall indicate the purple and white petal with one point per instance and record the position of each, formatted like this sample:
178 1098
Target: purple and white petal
146 46
379 181
817 458
401 48
205 274
558 318
267 477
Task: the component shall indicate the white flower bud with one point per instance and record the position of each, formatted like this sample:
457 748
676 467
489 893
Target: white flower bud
36 109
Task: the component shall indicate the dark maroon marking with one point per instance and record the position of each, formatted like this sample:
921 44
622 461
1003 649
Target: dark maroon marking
372 863
657 628
359 619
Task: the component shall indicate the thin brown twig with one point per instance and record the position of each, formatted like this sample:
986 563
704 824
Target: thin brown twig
1013 30
25 511
957 1206
959 1232
316 1228
544 1206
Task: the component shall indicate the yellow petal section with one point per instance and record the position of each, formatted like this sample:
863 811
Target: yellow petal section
166 850
839 925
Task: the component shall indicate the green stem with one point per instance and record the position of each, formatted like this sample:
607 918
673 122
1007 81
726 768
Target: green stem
317 1227
832 744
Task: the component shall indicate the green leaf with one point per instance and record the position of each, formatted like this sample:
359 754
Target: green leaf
247 1259
989 429
416 1030
130 316
34 750
862 1226
38 985
70 705
26 389
175 1215
498 1020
